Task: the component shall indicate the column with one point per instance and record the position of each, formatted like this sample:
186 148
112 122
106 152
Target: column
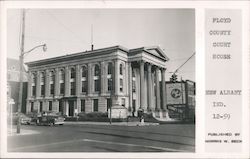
78 80
102 77
29 85
66 84
142 90
47 83
149 84
116 74
38 86
163 85
89 79
157 89
130 85
56 82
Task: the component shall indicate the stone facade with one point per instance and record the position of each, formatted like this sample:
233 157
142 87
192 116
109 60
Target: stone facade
91 81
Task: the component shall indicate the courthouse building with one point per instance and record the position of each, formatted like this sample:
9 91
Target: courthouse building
92 81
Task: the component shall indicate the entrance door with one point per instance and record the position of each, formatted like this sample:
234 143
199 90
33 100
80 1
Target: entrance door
61 107
71 108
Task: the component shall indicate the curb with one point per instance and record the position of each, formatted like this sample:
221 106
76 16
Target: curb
113 124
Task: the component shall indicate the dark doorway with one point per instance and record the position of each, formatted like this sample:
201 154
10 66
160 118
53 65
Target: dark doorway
95 105
71 108
61 107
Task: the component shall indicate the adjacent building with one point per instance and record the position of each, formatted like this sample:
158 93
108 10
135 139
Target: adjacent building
13 85
93 81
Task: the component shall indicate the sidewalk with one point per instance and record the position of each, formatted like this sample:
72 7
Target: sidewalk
107 123
22 132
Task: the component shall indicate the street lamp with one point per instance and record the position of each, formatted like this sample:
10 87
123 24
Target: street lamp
44 46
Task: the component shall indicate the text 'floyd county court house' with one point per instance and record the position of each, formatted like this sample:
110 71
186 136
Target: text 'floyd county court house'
92 81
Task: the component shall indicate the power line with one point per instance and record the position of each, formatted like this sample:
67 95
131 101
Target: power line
184 62
65 27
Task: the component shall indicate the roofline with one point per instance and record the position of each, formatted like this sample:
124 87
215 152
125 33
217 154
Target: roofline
118 47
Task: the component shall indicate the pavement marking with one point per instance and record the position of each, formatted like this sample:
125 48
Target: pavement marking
96 141
126 144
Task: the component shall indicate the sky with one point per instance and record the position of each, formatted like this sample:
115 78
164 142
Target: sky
68 31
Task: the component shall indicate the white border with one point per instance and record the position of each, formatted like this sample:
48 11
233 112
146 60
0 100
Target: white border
200 74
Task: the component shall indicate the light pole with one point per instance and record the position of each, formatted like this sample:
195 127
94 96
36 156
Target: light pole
21 57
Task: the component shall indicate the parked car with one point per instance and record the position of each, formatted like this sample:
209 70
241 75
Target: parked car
50 118
24 119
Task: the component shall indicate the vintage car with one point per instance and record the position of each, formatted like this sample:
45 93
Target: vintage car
49 118
24 119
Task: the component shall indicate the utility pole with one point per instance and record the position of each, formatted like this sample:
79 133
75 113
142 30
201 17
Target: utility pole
19 105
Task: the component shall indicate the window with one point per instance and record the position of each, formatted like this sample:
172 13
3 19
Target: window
97 85
108 103
42 90
61 106
121 69
84 86
42 77
95 105
61 88
97 78
33 85
121 84
52 79
42 84
109 84
72 73
133 86
61 75
123 102
33 78
84 79
32 106
33 90
50 105
82 105
97 70
84 71
52 89
41 106
52 76
109 68
72 88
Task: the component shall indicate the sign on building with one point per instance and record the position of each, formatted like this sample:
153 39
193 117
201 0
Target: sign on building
175 93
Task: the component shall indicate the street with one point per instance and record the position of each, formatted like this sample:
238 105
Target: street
105 138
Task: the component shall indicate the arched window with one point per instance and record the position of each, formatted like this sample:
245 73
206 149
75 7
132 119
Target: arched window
34 78
121 69
52 78
109 68
42 84
61 74
84 71
97 70
84 79
96 78
42 77
33 84
72 73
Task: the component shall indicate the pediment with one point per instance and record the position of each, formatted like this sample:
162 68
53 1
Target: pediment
156 51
